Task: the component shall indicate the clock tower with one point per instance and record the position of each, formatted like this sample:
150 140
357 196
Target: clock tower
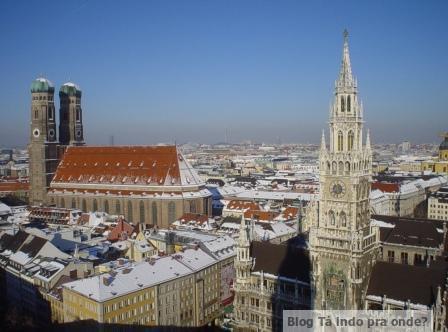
343 245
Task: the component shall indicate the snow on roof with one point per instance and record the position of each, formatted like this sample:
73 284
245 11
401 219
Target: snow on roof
380 223
275 195
221 247
142 275
20 258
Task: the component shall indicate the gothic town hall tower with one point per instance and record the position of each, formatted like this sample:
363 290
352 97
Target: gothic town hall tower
343 245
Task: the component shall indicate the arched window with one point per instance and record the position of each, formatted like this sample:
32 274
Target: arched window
95 205
142 212
340 168
73 203
192 206
334 167
62 202
347 168
117 207
84 205
154 213
342 104
130 215
171 212
351 139
106 206
348 104
328 167
340 141
331 217
343 219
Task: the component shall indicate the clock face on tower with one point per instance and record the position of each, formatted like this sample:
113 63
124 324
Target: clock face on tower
337 189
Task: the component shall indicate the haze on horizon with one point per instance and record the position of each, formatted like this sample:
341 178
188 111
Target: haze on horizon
158 71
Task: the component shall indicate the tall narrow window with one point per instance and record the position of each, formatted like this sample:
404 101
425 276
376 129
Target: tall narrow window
73 203
351 139
192 206
62 202
340 141
130 214
342 104
106 206
331 217
95 205
142 212
117 207
84 205
78 115
154 213
36 114
343 219
171 212
348 104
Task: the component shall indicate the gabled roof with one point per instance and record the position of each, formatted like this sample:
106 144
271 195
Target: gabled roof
281 260
407 282
410 232
242 205
132 165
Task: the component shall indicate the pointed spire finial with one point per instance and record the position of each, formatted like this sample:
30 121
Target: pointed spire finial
323 146
345 76
368 140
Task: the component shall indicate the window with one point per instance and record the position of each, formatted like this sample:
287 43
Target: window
117 207
95 205
418 259
154 213
84 205
193 207
73 203
348 104
142 212
342 104
62 202
171 212
106 206
351 138
130 215
404 258
331 218
343 219
36 114
340 141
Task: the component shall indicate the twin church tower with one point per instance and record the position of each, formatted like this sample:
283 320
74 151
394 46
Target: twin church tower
45 148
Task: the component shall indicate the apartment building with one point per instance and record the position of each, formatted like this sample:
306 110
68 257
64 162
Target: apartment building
178 290
438 204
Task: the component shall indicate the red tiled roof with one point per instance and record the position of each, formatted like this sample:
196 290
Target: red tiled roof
14 186
242 205
122 231
260 215
290 212
145 165
386 187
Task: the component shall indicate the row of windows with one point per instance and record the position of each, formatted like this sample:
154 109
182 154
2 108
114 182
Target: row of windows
350 140
341 167
50 98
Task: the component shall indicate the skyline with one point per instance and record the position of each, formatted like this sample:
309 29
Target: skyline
258 69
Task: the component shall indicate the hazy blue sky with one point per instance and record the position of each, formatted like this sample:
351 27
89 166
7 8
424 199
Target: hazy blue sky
155 71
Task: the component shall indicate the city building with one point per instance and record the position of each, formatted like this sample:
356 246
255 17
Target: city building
45 151
178 290
439 165
149 185
343 244
438 204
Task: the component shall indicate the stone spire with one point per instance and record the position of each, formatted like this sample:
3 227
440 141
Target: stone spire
368 140
244 238
323 146
346 79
